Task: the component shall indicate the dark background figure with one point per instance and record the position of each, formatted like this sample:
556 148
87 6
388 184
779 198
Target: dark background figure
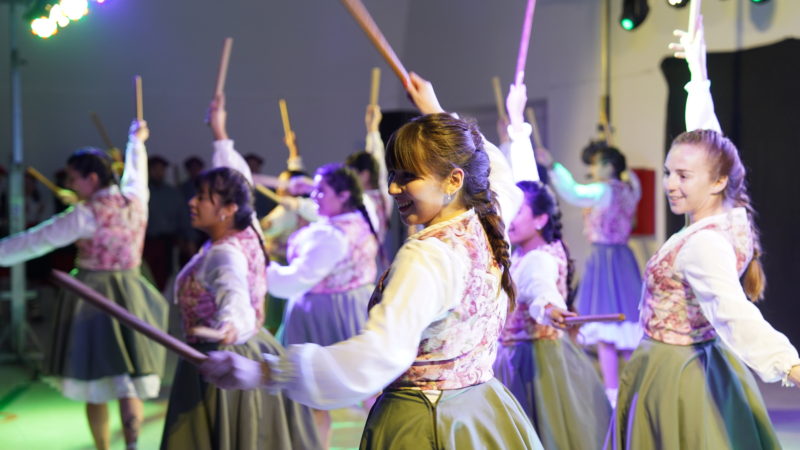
263 205
167 221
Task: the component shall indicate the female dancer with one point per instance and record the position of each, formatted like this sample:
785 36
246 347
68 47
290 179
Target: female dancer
687 385
95 359
370 165
220 293
431 337
332 268
611 280
553 380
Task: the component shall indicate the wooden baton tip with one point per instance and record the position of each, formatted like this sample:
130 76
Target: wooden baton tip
287 129
42 179
183 349
498 98
102 130
137 81
537 137
368 25
594 318
222 72
524 41
375 86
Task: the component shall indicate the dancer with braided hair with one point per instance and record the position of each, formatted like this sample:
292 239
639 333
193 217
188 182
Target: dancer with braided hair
431 336
551 377
220 293
687 385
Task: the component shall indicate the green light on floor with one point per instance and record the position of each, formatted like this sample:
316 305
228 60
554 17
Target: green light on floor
626 24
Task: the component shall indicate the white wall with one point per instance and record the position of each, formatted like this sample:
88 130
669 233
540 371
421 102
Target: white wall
479 39
311 52
308 51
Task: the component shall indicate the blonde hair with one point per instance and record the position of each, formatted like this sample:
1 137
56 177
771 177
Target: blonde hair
725 162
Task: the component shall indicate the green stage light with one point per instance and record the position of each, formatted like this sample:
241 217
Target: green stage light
633 13
48 16
678 3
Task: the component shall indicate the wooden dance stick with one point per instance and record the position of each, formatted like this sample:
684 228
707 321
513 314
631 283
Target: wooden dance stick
43 179
102 130
606 127
375 86
524 40
362 16
287 129
137 82
222 74
269 193
537 137
577 320
694 11
498 98
123 315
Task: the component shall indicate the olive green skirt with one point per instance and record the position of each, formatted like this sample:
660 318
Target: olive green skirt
690 397
559 390
92 357
201 416
484 416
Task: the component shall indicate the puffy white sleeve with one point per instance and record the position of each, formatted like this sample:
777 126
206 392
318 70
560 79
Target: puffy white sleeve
709 264
423 282
700 107
225 155
537 284
520 154
582 195
225 271
134 177
501 181
77 222
318 249
375 147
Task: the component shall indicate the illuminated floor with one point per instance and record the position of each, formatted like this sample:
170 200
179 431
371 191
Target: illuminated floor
34 416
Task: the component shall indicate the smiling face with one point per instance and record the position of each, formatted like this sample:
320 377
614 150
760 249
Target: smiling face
688 182
205 209
329 202
526 226
420 198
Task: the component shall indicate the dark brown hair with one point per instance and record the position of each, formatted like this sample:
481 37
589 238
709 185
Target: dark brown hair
435 144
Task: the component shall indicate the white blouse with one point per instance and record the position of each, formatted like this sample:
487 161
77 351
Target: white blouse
317 248
224 270
708 262
425 280
536 276
77 221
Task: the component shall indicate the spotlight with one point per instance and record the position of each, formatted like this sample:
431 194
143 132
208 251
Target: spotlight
677 3
633 13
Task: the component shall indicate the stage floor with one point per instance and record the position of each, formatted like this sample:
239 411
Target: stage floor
35 416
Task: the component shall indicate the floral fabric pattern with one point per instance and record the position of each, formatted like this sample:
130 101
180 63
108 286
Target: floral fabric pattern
195 297
520 326
459 350
359 266
118 242
670 312
612 224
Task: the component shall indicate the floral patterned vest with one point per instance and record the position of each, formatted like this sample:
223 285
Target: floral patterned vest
196 300
459 350
670 312
358 267
118 242
611 224
520 326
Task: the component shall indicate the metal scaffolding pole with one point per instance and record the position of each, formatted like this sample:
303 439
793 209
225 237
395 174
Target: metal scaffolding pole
16 202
